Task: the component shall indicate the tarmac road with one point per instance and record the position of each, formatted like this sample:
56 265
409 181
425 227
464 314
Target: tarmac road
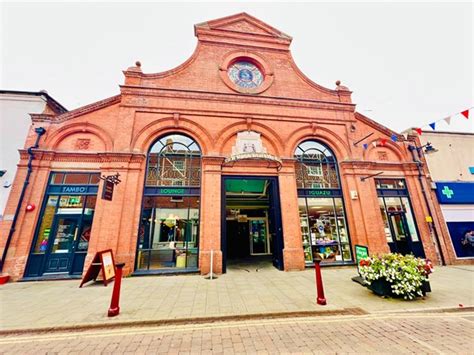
433 333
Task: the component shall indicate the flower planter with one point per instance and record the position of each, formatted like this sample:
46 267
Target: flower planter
381 287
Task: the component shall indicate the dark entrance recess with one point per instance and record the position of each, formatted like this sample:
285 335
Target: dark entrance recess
251 221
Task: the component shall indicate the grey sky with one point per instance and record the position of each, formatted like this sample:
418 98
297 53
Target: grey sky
407 64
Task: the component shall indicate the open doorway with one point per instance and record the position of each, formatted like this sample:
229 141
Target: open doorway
251 228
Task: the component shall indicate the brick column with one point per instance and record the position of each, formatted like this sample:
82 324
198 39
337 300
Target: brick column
293 256
210 215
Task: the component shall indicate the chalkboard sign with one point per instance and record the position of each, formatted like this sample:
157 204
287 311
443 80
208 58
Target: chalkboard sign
103 260
362 252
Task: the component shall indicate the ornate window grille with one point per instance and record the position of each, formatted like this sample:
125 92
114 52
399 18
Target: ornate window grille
316 166
174 160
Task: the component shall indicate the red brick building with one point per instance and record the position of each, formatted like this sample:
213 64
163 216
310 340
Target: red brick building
234 152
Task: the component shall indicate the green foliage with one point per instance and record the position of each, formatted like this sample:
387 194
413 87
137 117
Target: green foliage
405 273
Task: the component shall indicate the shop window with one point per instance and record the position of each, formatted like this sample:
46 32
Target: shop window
76 179
322 219
392 184
46 224
169 227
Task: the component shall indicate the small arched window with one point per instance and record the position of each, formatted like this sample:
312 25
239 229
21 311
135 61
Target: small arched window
316 166
174 160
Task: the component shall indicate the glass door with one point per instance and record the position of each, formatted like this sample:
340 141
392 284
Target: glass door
400 232
258 236
61 248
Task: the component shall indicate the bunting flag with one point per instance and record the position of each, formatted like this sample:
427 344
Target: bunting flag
394 138
383 141
365 145
447 119
374 144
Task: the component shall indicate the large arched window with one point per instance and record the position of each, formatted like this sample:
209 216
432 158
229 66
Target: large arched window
174 160
316 166
321 205
168 237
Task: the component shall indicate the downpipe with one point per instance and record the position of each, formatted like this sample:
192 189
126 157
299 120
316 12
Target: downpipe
419 165
39 131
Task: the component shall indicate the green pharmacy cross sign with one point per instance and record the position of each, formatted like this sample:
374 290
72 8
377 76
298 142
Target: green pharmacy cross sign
447 192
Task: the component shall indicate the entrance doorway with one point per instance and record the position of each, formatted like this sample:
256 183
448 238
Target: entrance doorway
251 226
400 233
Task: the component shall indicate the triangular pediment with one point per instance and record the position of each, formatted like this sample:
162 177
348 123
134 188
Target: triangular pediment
243 23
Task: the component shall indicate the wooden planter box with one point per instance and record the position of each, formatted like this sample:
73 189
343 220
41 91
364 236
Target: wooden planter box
382 287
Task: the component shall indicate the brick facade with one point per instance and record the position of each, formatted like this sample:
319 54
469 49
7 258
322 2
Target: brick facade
198 99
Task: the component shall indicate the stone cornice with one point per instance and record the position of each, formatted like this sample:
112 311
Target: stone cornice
360 164
229 97
101 157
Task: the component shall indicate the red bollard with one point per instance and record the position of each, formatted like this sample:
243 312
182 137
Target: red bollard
114 308
319 283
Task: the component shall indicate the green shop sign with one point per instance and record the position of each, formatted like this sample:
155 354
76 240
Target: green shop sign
171 191
319 193
362 252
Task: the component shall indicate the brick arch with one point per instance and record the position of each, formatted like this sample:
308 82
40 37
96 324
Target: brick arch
390 145
65 131
143 140
322 134
230 131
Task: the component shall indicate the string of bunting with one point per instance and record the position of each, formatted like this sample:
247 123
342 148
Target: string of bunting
447 119
382 141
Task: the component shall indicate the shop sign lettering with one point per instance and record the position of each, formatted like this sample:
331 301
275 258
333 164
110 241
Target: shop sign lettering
171 191
74 189
319 193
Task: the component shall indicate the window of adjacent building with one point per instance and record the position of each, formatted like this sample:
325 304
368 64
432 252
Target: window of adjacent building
322 219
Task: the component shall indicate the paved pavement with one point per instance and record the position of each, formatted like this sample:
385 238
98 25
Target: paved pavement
242 292
388 334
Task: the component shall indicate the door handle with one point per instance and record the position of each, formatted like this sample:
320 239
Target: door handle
75 238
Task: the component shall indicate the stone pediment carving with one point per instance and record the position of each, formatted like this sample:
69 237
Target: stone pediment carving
245 26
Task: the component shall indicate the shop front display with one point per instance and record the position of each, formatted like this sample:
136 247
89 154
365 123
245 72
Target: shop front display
64 231
399 223
321 206
168 235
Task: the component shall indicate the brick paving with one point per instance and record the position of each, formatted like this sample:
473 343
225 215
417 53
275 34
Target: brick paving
389 334
240 292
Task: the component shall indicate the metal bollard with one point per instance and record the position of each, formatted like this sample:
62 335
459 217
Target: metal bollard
114 308
321 300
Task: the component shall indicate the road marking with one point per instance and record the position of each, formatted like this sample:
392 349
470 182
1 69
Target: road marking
221 325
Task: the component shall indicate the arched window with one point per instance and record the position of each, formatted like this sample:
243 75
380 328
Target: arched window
321 205
316 166
174 160
168 236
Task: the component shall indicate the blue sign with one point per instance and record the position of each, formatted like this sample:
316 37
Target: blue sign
455 192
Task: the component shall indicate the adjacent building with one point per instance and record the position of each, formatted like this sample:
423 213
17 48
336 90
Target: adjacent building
15 122
451 168
233 155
